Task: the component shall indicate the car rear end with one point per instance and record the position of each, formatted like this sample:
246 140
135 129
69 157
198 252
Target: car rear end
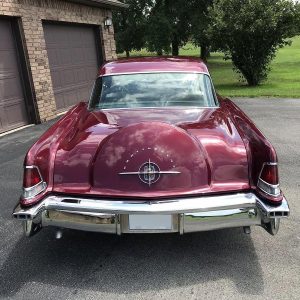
129 167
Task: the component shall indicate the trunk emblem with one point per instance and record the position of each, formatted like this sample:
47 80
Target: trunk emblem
149 172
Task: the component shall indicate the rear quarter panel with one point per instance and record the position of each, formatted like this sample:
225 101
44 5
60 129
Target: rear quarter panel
259 149
43 151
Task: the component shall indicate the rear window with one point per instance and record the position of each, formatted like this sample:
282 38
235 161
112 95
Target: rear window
153 90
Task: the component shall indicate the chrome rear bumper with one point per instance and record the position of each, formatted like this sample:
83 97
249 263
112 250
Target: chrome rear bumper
188 214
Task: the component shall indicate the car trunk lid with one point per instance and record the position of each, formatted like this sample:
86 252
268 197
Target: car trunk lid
152 153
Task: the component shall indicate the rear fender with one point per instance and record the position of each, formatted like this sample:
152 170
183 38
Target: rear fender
259 149
43 151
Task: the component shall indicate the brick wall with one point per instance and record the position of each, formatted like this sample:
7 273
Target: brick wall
32 12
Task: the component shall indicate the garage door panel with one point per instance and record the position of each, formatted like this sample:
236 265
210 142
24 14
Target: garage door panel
60 101
52 56
13 112
56 79
77 57
5 33
85 74
82 93
8 61
81 74
12 116
73 62
90 73
10 88
68 77
67 98
72 77
72 95
89 54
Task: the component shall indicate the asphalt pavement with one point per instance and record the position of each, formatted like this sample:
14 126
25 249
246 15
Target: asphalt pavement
224 264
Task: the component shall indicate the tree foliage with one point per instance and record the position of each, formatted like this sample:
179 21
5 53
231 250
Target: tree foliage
158 37
200 20
130 26
162 26
168 26
297 8
250 32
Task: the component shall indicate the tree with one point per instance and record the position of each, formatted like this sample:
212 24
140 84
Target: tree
158 32
168 26
250 32
298 17
199 23
130 26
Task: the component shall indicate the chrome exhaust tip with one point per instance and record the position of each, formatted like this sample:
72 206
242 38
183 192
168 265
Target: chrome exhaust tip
272 227
31 228
278 214
22 216
274 212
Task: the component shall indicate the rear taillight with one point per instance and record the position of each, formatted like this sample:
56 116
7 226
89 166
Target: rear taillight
31 177
268 180
269 174
33 183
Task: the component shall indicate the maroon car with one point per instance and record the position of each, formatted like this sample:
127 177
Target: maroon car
154 150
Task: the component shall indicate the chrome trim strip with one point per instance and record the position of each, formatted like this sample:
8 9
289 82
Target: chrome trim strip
274 187
32 187
271 163
159 107
42 183
143 173
150 169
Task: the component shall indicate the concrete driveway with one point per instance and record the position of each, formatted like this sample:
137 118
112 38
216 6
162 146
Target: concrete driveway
212 265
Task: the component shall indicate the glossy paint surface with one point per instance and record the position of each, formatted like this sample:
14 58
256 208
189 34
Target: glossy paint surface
201 144
154 64
259 149
212 150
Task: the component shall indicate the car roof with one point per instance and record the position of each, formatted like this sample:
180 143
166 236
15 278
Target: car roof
154 64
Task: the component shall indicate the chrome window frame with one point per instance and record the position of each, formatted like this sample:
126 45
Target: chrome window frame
214 94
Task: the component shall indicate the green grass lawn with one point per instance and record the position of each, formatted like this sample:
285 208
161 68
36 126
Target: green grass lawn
283 80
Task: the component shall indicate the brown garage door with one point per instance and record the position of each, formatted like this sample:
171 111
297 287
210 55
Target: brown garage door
13 111
73 62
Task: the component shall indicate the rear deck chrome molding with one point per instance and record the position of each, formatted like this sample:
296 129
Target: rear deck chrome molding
189 214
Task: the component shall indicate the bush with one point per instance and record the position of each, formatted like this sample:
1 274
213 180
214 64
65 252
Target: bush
250 32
